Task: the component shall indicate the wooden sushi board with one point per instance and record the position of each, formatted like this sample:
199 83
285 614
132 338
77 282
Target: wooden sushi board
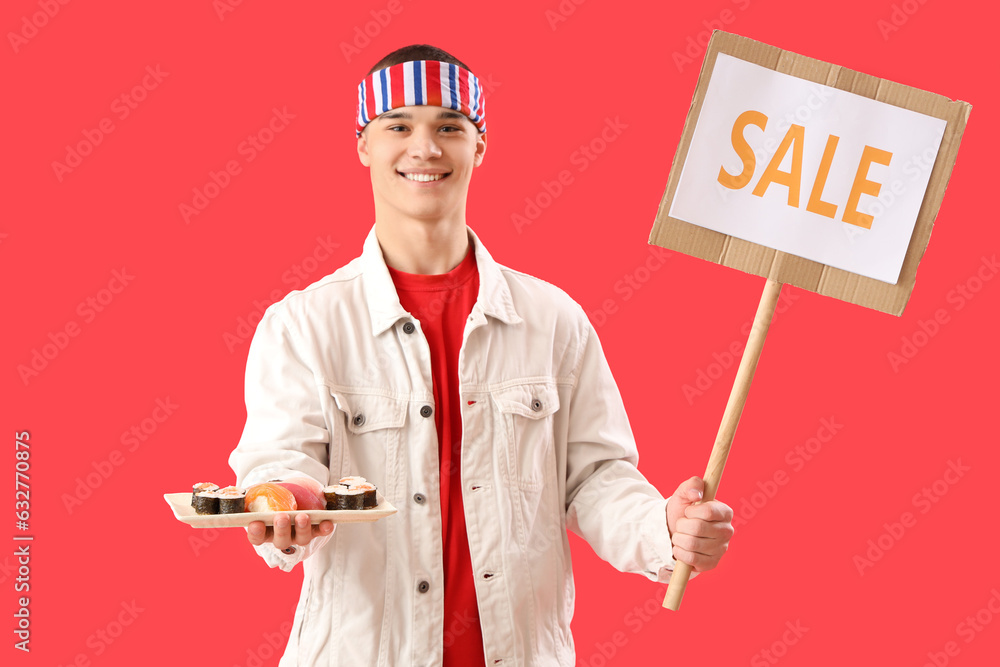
180 503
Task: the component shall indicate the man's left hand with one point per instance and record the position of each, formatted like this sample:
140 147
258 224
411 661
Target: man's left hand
700 530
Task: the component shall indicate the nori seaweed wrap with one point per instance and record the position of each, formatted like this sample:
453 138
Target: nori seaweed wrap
370 494
329 492
206 502
349 499
231 500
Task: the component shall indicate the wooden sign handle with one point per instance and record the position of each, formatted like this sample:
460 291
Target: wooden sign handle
730 419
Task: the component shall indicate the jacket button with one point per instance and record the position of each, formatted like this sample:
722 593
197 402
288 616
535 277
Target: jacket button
359 419
536 405
426 411
418 498
423 586
409 328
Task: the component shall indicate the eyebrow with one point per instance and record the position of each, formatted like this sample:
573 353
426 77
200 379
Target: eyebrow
408 116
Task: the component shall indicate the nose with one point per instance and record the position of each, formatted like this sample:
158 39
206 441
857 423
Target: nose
423 145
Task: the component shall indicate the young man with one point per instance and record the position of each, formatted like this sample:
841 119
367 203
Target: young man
477 398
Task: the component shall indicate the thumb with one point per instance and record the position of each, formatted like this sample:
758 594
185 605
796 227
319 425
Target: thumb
690 491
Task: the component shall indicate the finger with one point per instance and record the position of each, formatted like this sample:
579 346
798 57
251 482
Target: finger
303 530
282 531
325 527
710 510
691 490
713 548
256 533
698 562
704 529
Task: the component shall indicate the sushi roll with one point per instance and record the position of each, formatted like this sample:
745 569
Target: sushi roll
202 486
231 500
370 494
206 502
352 481
348 499
329 493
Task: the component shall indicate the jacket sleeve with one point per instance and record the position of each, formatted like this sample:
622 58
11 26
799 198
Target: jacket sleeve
609 503
285 435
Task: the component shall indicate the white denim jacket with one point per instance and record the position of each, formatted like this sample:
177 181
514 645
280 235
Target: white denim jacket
338 382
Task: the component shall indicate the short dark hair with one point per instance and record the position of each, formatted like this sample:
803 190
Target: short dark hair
417 52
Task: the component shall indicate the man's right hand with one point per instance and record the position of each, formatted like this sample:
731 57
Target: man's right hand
284 534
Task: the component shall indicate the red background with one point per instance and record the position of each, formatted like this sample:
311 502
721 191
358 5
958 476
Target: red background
792 561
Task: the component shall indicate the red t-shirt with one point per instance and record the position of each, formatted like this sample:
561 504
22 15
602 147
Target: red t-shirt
442 303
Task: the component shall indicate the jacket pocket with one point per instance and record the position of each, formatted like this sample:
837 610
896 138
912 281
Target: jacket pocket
303 623
370 412
367 426
526 409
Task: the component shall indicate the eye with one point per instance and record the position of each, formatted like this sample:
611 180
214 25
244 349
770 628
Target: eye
396 127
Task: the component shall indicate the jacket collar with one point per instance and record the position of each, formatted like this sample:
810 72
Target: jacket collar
494 297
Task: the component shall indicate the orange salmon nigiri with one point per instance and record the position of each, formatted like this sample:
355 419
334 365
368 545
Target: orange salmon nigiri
269 497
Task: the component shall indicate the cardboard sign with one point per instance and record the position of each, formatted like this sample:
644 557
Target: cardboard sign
809 173
804 165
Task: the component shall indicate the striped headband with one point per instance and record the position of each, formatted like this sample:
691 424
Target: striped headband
426 82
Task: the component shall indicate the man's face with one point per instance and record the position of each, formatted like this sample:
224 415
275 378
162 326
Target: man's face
421 160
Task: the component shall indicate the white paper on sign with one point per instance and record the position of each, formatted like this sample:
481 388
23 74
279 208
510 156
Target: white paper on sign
767 218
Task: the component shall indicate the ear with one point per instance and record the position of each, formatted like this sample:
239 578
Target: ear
363 155
480 149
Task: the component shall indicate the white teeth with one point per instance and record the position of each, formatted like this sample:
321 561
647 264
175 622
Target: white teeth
423 178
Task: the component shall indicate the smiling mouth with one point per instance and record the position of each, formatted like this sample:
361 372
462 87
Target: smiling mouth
423 178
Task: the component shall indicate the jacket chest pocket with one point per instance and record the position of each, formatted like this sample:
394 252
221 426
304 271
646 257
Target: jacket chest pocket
526 410
369 428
